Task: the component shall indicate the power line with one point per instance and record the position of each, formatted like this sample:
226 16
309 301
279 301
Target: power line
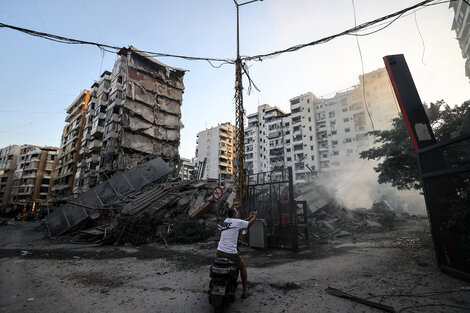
363 74
108 48
350 31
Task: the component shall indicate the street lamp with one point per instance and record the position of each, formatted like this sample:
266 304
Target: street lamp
240 176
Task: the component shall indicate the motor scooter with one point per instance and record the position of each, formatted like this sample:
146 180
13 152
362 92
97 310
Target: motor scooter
223 283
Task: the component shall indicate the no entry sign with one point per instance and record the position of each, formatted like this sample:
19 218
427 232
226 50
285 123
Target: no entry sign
217 193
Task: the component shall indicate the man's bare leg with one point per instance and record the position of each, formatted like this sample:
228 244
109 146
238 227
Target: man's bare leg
244 281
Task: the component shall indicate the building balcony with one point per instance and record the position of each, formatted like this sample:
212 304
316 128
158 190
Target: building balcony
97 132
86 136
84 149
113 118
93 158
111 134
94 145
29 176
100 115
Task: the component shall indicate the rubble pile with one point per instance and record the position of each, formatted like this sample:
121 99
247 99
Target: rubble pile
334 221
177 212
137 206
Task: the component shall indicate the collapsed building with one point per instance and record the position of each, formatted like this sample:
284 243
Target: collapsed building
134 114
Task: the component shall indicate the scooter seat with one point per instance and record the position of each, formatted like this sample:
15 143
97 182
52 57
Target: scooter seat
223 261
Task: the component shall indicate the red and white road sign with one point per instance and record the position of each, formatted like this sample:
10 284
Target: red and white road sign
217 193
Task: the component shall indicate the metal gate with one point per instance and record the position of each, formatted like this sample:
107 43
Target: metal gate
445 171
272 194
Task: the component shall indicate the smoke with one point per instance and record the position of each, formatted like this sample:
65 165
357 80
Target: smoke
358 187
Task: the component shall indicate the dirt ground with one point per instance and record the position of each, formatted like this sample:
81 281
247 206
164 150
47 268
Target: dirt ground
40 275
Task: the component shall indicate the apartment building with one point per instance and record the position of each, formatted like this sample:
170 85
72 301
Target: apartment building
134 114
186 171
34 176
266 139
86 176
461 25
70 146
215 152
8 159
320 136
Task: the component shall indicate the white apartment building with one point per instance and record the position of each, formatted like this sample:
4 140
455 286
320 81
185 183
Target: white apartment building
320 136
214 152
265 146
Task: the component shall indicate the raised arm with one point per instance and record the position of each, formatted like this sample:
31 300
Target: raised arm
251 218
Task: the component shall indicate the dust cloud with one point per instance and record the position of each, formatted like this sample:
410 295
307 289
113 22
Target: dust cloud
358 187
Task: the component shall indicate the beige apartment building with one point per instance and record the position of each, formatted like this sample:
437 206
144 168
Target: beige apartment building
34 176
86 176
8 159
70 146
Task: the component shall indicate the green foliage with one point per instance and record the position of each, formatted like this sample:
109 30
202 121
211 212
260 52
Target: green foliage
399 165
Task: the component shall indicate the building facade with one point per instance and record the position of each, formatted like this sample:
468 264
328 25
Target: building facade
70 146
214 152
186 171
320 136
8 159
461 25
266 139
134 114
86 176
34 176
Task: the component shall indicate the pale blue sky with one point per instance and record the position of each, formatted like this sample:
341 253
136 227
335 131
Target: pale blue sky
43 77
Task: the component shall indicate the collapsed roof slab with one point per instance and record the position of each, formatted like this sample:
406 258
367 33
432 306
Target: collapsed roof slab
69 215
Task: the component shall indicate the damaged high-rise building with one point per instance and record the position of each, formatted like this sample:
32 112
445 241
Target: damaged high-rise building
70 145
134 114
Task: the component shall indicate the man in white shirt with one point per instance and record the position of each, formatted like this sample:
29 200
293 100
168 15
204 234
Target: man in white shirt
227 247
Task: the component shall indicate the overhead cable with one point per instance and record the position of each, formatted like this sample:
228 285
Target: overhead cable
350 31
106 47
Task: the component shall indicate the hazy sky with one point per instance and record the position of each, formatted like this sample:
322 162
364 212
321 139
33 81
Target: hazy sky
39 78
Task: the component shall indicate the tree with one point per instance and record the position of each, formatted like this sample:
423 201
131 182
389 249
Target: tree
399 165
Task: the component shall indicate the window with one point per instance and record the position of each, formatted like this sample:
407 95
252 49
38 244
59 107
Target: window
335 152
311 138
295 101
331 114
334 142
119 80
333 132
347 130
345 109
309 119
347 140
289 159
310 128
346 119
311 148
313 158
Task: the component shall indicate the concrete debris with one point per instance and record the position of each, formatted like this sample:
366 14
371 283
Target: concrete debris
333 221
148 210
71 215
135 209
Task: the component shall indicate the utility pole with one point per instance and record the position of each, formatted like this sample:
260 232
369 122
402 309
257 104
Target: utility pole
240 175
